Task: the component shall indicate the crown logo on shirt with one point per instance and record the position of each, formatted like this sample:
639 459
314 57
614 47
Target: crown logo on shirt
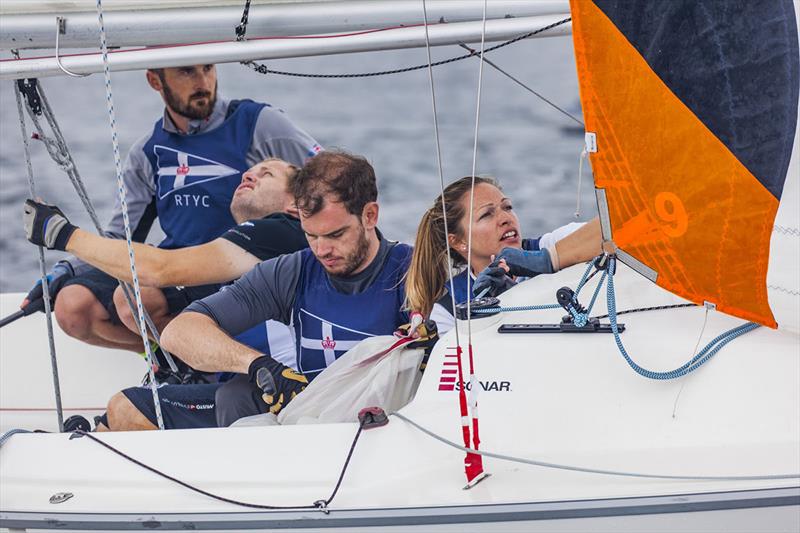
328 343
182 170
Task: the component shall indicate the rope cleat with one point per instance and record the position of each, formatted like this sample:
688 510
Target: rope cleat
483 303
372 417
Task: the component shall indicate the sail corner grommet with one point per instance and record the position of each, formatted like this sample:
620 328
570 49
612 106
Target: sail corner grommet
590 142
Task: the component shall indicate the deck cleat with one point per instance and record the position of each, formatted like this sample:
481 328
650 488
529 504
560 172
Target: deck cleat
483 304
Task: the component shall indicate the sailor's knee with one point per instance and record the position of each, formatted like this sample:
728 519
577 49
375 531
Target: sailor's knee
123 309
75 310
122 415
153 301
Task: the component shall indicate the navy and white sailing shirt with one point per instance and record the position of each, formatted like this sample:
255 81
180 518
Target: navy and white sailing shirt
328 314
173 176
193 191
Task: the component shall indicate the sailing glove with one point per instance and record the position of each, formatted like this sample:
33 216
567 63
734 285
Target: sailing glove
278 383
425 334
494 278
519 262
46 225
56 278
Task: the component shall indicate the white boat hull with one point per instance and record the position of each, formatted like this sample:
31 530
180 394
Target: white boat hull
559 398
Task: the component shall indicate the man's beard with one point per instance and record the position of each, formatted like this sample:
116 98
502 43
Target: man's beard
354 260
251 206
189 108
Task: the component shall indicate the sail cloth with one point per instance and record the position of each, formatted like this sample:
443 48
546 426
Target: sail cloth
694 107
377 372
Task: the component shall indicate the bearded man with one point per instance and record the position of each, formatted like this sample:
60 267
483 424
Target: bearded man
184 172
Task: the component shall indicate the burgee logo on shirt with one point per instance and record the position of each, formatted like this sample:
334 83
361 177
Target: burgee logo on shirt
178 170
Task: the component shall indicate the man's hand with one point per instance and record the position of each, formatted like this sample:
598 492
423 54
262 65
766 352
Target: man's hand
46 225
58 276
279 384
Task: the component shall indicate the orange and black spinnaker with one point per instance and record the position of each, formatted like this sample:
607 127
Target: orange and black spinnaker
694 107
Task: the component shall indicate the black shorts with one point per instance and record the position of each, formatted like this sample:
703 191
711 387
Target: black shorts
182 406
180 297
102 286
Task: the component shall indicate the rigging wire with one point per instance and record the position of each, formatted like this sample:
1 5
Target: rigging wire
587 470
124 204
472 185
60 153
462 398
439 166
473 393
694 353
48 311
492 64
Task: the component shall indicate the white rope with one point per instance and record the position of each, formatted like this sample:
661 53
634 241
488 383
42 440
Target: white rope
472 184
473 391
694 353
580 180
440 170
48 312
126 220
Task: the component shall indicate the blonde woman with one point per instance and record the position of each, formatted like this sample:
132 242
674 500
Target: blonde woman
496 236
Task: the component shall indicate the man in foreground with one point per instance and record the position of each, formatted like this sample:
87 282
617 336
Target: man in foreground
348 286
184 172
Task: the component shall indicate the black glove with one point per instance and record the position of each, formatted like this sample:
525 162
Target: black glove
58 276
519 262
495 278
46 225
279 384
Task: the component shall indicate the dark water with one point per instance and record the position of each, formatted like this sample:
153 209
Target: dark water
531 148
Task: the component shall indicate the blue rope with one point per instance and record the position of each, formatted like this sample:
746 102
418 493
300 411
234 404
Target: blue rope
8 434
709 351
584 279
542 307
597 291
581 319
517 308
